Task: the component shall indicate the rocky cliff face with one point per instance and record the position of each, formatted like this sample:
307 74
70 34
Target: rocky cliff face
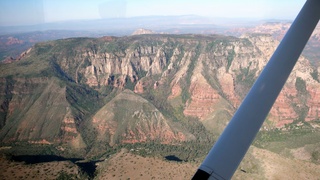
142 88
278 30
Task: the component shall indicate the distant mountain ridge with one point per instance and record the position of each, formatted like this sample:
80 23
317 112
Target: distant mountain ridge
143 31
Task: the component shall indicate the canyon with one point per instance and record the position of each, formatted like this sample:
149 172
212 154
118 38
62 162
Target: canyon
199 76
90 97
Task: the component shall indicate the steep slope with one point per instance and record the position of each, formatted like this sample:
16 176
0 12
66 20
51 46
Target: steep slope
128 118
35 117
45 111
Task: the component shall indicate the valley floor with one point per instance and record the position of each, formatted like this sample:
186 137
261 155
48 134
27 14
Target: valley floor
126 165
258 164
49 170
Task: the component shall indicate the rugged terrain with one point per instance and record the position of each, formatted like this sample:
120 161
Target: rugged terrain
278 30
166 94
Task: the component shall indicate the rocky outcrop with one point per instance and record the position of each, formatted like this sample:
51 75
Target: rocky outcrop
12 40
227 84
313 102
282 111
143 31
11 59
203 98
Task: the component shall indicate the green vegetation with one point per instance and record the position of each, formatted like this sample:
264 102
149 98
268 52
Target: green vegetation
300 85
112 47
245 79
246 76
82 98
58 72
9 83
315 157
212 79
25 148
69 47
168 50
301 108
314 75
85 102
218 41
129 84
158 97
278 140
246 42
86 63
115 46
30 67
42 48
230 58
185 91
186 151
194 126
66 176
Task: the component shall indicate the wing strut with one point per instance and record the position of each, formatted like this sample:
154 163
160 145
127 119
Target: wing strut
227 153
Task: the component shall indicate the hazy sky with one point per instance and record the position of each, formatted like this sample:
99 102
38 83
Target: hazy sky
24 12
